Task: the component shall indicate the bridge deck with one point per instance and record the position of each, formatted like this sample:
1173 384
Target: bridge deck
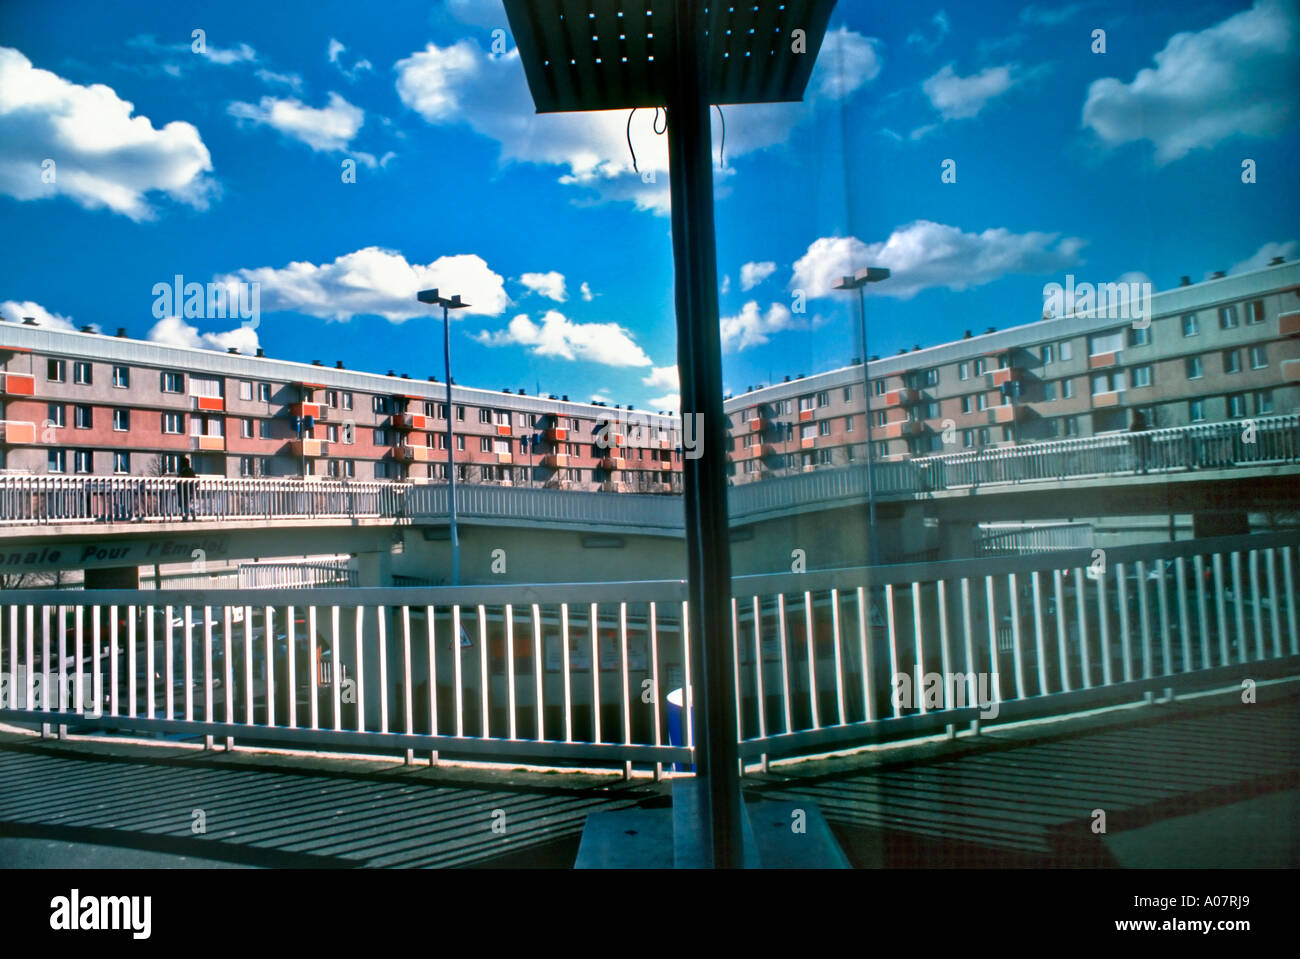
1210 775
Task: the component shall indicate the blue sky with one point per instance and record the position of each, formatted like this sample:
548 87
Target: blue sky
227 164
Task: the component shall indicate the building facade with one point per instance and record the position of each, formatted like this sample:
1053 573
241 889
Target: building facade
85 403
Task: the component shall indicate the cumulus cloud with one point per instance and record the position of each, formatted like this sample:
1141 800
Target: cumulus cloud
1264 255
60 138
211 53
173 331
752 327
752 274
585 290
15 311
1236 78
378 282
324 129
924 254
941 27
957 97
464 84
336 57
291 80
549 285
558 336
663 378
671 402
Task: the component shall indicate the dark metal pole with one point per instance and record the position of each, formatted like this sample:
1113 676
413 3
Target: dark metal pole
699 358
451 460
872 532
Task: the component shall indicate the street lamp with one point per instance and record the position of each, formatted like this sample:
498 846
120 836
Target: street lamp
431 296
871 274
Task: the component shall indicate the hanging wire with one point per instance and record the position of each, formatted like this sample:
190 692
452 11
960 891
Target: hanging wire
665 129
722 150
629 140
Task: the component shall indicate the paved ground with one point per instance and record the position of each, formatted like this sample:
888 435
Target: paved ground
1207 783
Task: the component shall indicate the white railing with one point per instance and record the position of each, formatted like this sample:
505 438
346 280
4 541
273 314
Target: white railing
512 672
1001 539
48 499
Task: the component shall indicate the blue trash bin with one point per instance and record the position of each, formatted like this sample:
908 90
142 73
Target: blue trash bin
676 736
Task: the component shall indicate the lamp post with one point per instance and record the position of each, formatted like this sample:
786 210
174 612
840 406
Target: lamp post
431 296
871 274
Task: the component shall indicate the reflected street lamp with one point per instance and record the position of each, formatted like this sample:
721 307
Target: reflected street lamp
871 274
431 296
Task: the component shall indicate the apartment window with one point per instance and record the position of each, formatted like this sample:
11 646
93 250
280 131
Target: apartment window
1110 382
460 443
264 429
122 377
1232 361
879 387
1049 391
428 409
82 417
852 455
1103 343
485 416
246 428
1064 349
963 371
173 382
332 399
54 414
985 436
207 425
824 428
967 438
808 431
1048 355
1258 357
981 401
1067 389
121 420
170 463
823 399
848 394
264 392
173 422
1196 411
331 433
930 377
848 424
379 404
56 461
332 469
1263 402
1141 376
824 457
1236 404
121 462
441 409
246 466
881 417
882 448
1139 336
1228 317
81 374
485 444
1191 324
1070 425
380 437
1255 311
349 468
966 404
806 403
83 461
460 413
1195 368
205 386
246 389
979 367
347 401
55 371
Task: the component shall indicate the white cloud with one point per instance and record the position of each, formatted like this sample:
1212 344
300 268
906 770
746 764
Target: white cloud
941 27
291 80
335 57
557 335
585 290
1261 257
958 97
924 254
671 402
374 281
664 378
1237 77
464 84
15 311
1050 16
751 327
103 156
549 285
242 53
725 287
324 129
752 274
173 331
220 56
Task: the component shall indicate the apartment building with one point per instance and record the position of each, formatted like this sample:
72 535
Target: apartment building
87 403
1227 348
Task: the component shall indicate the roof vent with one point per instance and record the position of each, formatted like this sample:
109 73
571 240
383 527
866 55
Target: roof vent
787 377
232 349
121 332
87 329
521 391
915 347
1218 275
902 352
1277 261
855 361
991 329
317 363
30 321
406 376
338 364
553 397
749 389
798 376
875 357
392 373
433 379
565 397
966 335
261 352
1185 281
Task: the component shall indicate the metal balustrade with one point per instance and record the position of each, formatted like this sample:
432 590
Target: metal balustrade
824 659
123 499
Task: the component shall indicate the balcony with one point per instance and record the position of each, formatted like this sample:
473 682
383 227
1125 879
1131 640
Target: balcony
770 449
555 460
901 397
807 442
409 421
17 434
758 424
1288 324
897 429
1007 413
1006 375
1100 361
305 409
613 463
409 453
307 447
18 384
806 416
504 430
1111 398
210 443
557 434
209 404
505 458
1291 371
